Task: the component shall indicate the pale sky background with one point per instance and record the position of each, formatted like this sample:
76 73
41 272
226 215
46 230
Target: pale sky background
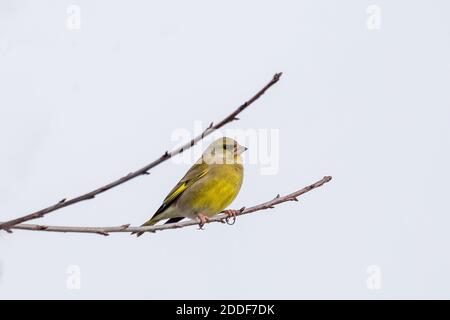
371 107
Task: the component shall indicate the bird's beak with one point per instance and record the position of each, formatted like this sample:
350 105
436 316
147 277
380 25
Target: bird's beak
240 149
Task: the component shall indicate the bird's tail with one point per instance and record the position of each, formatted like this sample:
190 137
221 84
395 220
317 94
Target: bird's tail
150 222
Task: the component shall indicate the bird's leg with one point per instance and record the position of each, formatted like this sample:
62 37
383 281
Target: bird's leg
203 219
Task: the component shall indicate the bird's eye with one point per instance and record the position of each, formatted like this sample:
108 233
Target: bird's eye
225 147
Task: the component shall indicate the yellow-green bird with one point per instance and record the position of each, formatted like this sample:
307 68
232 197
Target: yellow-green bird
209 186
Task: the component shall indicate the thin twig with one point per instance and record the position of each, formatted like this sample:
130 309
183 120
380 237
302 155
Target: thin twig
105 231
145 170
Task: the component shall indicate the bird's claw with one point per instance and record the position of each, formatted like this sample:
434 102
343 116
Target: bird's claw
231 214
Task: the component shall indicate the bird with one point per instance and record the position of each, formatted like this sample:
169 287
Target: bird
208 187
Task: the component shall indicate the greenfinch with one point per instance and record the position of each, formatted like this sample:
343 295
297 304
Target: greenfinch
209 186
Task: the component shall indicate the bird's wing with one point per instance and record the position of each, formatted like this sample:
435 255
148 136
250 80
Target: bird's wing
195 173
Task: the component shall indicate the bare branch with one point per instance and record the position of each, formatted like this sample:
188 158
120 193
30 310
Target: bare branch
219 218
145 170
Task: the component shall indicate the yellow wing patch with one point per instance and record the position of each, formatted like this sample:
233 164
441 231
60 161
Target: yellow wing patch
175 193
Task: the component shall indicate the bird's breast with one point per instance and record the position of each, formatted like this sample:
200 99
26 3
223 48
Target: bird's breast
216 192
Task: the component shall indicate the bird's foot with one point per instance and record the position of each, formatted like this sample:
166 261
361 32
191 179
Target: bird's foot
203 219
231 214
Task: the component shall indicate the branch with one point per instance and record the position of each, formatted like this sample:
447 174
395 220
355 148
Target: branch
105 231
144 170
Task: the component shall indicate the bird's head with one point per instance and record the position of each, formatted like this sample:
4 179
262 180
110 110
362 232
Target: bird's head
224 151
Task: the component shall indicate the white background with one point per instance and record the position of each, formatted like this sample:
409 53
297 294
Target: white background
79 108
